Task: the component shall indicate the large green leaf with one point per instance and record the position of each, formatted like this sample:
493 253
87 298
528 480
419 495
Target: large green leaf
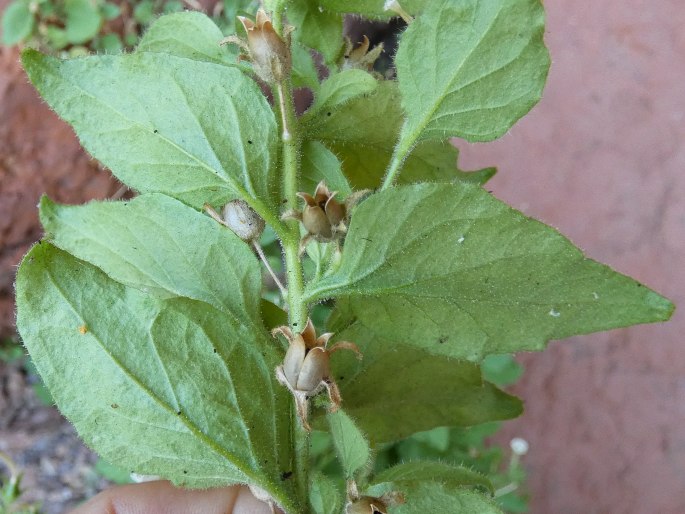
316 28
17 22
450 269
197 131
398 390
471 68
157 244
349 442
163 387
434 471
363 133
188 34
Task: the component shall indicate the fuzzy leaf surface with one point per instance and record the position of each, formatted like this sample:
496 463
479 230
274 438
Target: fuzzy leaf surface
450 269
339 89
471 68
436 497
316 28
371 8
363 133
189 34
160 245
174 387
398 390
324 495
350 444
159 128
319 163
433 471
304 72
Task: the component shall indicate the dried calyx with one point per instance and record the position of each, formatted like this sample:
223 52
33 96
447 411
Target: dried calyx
306 368
268 52
360 57
325 218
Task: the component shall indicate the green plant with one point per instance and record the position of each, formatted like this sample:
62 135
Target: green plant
148 319
75 27
11 491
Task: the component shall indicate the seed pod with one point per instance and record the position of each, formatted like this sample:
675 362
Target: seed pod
322 213
306 367
269 53
242 220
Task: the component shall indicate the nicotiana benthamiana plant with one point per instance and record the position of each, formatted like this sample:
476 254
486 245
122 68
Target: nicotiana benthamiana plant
147 318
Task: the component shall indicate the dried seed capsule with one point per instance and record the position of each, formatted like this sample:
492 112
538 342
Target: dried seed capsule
242 220
306 367
322 213
270 55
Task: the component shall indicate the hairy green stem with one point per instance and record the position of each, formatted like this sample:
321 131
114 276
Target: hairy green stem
297 307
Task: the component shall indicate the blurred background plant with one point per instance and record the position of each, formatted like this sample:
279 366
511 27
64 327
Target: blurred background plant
10 489
76 27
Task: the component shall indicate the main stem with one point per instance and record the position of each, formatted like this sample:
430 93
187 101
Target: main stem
297 306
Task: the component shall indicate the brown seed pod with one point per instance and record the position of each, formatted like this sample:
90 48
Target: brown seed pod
270 55
306 367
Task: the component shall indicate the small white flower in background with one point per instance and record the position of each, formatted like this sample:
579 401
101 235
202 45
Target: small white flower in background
519 446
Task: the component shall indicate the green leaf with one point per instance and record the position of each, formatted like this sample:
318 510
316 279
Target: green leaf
111 43
435 497
172 6
324 496
272 315
319 163
433 471
17 22
501 370
174 387
316 28
471 68
190 34
363 133
452 270
112 473
83 20
110 10
398 390
57 37
148 118
350 445
370 8
144 12
304 73
337 90
159 245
